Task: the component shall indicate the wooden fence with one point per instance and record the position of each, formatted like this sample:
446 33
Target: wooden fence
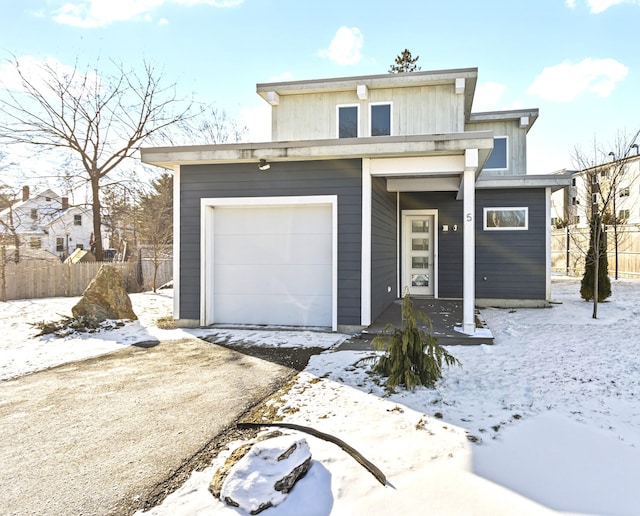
36 279
569 247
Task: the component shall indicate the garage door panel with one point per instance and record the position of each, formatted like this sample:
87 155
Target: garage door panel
293 311
273 249
259 220
273 279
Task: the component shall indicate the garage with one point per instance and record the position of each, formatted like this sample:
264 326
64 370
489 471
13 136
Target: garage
270 264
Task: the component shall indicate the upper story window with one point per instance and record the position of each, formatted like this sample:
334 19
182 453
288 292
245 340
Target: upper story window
380 119
624 191
499 156
77 220
347 121
34 213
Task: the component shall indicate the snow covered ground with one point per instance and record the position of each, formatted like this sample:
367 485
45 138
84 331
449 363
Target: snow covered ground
547 419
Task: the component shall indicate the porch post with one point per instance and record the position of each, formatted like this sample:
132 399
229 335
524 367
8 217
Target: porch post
469 241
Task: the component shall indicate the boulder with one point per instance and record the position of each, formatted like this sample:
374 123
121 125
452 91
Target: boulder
105 297
259 474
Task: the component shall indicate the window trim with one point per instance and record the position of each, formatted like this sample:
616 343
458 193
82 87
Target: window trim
338 107
506 151
77 219
382 103
488 209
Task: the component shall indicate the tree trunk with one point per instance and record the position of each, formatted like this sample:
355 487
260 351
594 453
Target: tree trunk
596 254
97 218
3 273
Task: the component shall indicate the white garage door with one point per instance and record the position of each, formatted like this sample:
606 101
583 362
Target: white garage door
273 265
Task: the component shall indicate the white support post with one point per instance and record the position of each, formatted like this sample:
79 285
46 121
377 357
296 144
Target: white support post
469 242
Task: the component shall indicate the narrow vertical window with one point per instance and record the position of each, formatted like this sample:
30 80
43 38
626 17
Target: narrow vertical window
347 121
380 119
498 158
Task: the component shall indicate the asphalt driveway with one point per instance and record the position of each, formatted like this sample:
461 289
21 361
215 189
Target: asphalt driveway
100 435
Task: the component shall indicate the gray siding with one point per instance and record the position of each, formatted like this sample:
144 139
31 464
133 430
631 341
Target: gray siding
383 247
339 177
513 262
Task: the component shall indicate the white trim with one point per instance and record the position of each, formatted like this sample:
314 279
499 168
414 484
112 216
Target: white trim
176 242
506 150
365 290
207 214
384 103
505 228
338 106
547 243
409 213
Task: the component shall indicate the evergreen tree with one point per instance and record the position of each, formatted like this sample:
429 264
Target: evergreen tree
588 286
413 357
405 62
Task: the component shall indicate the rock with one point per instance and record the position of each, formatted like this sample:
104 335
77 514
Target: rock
259 474
105 297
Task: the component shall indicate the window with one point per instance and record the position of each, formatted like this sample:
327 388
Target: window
77 220
624 192
59 244
499 156
576 219
573 182
554 221
623 214
575 201
35 243
380 119
347 121
499 219
34 213
79 246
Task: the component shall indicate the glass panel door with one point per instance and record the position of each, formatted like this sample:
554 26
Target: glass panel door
418 252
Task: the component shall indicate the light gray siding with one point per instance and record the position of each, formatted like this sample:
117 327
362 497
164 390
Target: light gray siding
338 177
517 145
383 247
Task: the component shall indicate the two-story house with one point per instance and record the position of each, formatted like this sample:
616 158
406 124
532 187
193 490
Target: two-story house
370 187
47 222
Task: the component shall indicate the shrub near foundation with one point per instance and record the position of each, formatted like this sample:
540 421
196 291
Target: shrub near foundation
412 355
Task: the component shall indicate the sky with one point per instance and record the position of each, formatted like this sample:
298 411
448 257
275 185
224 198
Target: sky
574 60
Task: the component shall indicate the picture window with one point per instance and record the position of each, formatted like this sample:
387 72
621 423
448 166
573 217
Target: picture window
506 219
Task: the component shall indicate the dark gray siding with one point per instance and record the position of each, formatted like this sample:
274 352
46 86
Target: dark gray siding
513 262
449 243
339 177
383 246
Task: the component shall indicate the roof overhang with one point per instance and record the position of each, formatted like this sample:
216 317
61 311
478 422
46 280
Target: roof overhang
553 181
524 117
345 148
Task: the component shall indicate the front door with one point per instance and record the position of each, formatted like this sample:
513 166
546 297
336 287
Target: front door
419 253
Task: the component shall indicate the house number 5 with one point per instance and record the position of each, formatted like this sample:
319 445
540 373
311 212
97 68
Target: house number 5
469 217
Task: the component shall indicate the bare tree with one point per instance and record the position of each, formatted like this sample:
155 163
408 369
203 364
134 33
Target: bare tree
8 236
101 119
602 173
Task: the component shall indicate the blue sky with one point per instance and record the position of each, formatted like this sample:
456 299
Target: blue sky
575 60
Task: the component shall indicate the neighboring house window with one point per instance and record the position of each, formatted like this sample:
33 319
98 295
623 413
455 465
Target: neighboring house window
347 121
59 244
554 221
576 219
575 201
499 156
77 220
623 214
79 246
499 219
380 119
573 182
34 213
35 243
624 192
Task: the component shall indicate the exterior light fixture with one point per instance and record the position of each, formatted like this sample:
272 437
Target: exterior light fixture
613 156
263 165
635 145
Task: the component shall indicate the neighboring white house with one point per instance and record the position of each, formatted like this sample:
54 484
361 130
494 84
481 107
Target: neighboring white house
47 222
571 205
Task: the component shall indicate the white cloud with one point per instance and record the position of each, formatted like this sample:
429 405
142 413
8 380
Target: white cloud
99 13
345 46
566 81
599 6
487 96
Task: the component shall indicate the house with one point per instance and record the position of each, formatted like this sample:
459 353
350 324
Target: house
47 222
571 206
370 187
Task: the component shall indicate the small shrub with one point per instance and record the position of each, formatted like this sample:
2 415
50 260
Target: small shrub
413 356
69 325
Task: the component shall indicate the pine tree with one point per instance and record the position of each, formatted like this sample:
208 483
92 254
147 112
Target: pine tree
587 287
413 357
405 62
